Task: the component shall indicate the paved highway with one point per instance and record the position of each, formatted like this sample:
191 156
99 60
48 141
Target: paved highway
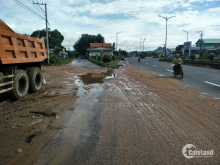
204 79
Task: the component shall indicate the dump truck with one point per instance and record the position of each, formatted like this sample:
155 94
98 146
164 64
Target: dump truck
20 63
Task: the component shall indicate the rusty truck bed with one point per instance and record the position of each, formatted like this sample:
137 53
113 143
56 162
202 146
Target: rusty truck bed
16 48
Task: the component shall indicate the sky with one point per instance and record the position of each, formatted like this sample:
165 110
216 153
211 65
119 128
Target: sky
137 19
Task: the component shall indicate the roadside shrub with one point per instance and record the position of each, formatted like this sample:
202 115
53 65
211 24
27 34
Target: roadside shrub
106 58
71 54
99 58
205 55
193 57
113 58
55 59
211 57
93 57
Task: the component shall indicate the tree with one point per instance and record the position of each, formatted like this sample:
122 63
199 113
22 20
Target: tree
55 37
193 57
179 50
82 44
106 58
123 53
211 57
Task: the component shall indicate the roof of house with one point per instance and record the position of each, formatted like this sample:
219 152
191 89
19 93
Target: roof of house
97 45
211 41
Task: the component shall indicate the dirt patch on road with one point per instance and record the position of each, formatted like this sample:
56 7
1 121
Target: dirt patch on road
26 125
147 119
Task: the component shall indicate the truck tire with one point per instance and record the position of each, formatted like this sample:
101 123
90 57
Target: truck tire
21 84
35 79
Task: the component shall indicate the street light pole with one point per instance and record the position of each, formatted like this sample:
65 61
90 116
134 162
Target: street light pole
201 46
143 44
166 18
187 34
187 43
117 39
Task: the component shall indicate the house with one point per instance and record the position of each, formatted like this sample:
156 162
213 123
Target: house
208 43
98 49
63 54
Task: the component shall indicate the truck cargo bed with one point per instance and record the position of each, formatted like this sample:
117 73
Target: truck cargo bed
16 48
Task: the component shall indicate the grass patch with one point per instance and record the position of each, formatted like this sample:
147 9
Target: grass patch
56 60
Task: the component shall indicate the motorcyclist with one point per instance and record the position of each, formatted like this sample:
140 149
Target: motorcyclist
176 61
139 58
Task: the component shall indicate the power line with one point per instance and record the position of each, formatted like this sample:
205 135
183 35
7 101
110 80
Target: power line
27 8
40 8
36 7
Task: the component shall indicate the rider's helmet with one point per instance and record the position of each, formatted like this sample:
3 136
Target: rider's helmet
177 55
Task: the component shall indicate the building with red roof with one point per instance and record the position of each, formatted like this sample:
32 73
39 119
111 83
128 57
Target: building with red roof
100 49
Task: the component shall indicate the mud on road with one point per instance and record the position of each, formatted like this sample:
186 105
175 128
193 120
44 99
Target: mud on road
137 118
26 125
131 117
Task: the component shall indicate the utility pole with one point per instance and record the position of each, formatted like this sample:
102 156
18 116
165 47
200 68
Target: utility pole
47 36
166 18
143 44
140 44
117 39
187 34
201 34
140 47
187 43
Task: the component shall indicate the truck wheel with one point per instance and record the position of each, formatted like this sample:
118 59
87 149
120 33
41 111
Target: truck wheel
21 84
35 79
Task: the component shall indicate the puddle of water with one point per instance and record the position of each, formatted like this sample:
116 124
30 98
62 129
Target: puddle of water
93 78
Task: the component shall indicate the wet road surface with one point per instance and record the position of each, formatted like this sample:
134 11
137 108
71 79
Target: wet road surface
85 63
136 118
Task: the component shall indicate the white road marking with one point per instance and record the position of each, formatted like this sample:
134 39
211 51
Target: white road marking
146 63
161 75
127 62
154 65
169 70
212 83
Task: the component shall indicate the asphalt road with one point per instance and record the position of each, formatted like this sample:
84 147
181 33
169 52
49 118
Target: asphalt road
85 63
204 79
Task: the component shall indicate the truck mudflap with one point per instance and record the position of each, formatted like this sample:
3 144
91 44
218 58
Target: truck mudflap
7 82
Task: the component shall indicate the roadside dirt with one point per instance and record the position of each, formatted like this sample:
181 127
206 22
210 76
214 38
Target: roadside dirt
148 119
134 117
137 118
26 125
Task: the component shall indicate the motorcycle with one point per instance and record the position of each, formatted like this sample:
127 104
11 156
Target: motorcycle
179 70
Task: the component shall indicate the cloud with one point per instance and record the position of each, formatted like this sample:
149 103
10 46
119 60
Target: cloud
137 19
